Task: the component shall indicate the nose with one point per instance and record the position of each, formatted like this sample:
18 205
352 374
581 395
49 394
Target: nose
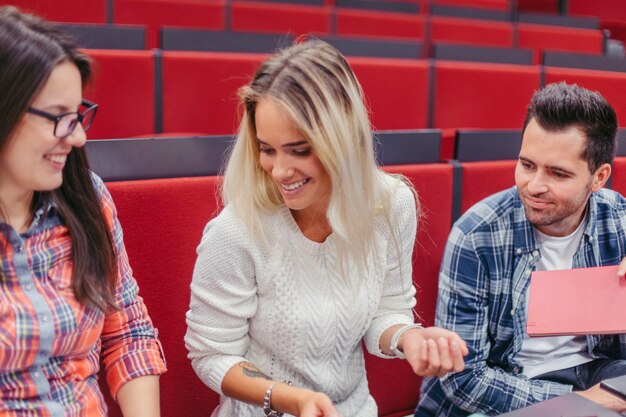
537 184
282 169
78 137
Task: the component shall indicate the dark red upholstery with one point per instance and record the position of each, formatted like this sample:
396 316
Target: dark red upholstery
200 90
369 23
199 14
396 91
604 9
490 96
481 179
610 84
279 18
163 222
502 5
618 176
542 37
66 11
471 31
392 382
544 6
124 88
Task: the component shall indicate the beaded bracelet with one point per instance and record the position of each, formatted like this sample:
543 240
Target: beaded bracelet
267 408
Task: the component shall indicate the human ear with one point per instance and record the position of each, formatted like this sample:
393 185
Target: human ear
600 177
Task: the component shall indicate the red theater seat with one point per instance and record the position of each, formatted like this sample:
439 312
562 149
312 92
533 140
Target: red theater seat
618 175
392 382
542 37
281 18
199 14
471 31
124 88
200 90
163 222
488 96
610 84
502 5
75 11
396 91
604 9
481 179
368 23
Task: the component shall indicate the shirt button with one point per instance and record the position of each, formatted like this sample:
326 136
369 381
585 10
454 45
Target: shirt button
28 287
18 249
513 312
518 251
45 319
36 375
590 238
535 253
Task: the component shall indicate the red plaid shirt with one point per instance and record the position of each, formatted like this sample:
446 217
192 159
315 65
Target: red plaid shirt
51 345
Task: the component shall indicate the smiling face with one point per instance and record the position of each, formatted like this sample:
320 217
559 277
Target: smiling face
33 158
286 155
553 180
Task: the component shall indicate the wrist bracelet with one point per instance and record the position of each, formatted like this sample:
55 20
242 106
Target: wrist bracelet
267 400
396 338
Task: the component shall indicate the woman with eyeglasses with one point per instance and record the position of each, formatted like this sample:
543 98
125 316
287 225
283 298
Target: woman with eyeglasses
311 254
68 300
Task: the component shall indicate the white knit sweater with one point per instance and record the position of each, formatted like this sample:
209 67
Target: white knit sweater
284 307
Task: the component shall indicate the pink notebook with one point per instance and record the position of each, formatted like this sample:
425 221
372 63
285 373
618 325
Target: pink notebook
576 302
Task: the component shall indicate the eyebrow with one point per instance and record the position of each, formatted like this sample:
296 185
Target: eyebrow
552 167
286 145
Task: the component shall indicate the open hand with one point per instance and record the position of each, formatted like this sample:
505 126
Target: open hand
433 351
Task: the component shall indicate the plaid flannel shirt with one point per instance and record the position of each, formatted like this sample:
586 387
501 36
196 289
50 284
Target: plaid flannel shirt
484 276
51 345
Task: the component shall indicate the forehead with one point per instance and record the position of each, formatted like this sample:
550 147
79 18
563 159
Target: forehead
562 147
63 87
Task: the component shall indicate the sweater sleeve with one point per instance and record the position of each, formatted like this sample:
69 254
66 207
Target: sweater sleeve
223 298
398 292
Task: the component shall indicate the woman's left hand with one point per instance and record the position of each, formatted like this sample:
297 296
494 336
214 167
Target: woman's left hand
433 351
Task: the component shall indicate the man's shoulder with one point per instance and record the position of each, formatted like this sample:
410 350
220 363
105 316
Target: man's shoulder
499 208
610 200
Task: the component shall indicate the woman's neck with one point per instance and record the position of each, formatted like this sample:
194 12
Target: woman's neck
313 226
17 209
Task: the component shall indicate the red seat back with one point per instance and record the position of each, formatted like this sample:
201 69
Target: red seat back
163 222
124 88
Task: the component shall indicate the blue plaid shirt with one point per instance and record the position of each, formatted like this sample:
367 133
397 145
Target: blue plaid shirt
485 273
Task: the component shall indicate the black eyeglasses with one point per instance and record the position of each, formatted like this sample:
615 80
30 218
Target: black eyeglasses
64 124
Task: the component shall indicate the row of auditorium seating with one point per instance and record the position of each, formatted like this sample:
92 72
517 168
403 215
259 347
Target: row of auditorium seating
163 219
447 23
147 92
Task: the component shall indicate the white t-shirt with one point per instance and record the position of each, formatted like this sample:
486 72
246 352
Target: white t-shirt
540 355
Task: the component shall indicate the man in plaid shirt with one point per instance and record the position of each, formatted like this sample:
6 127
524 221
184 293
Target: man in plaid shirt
558 216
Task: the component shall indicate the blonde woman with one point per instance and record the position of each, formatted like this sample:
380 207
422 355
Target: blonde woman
311 254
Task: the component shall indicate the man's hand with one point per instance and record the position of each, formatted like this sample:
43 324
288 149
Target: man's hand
604 397
433 351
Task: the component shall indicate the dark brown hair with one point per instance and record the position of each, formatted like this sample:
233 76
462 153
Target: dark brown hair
559 106
30 48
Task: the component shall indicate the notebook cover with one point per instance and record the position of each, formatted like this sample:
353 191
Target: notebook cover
577 302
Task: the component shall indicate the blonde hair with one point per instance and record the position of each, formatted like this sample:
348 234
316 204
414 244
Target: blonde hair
316 87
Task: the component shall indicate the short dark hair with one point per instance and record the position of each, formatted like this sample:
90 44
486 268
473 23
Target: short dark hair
30 48
558 106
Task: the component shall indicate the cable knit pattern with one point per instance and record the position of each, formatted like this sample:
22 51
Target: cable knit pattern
283 306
